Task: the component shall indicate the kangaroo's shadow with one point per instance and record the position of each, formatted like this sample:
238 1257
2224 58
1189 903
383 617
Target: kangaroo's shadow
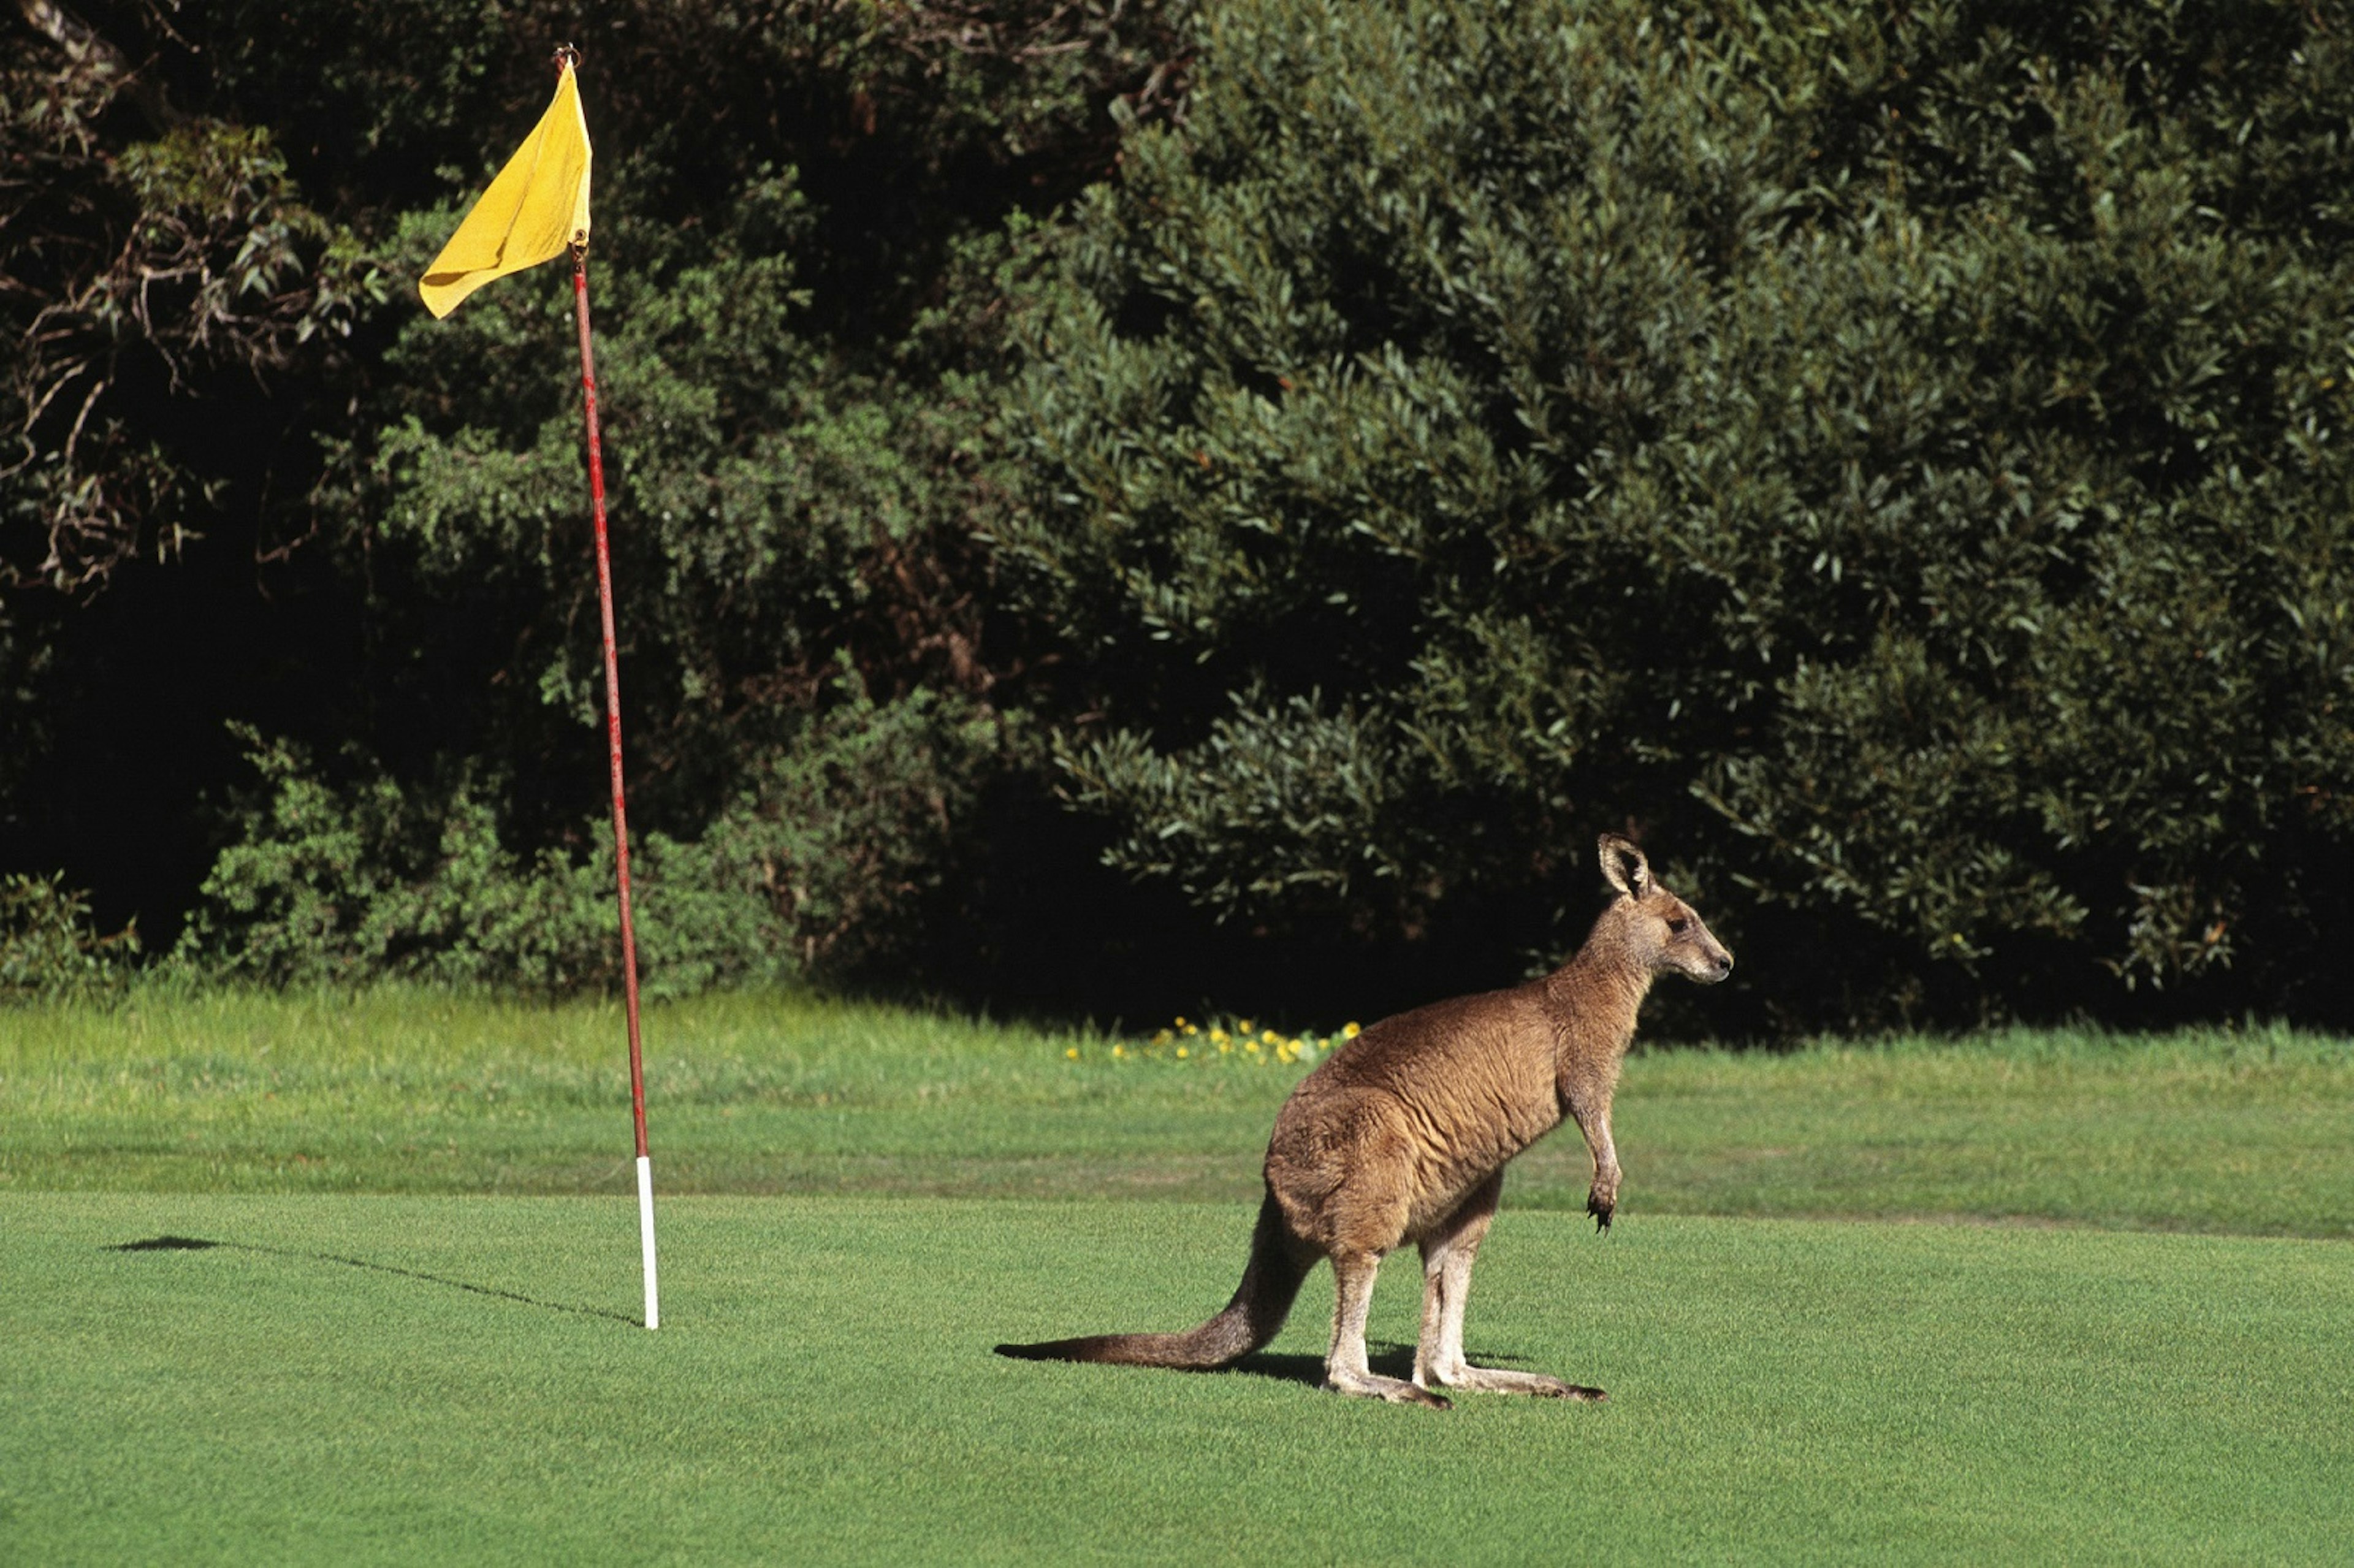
198 1244
1386 1357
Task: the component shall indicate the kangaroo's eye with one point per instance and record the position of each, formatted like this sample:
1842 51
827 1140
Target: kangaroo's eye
1677 924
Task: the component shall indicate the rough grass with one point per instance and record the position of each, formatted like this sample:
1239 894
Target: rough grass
335 1382
396 1091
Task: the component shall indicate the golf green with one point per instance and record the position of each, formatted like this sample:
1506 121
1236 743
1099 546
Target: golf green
429 1378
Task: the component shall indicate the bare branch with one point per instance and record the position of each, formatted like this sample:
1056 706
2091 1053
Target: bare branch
90 52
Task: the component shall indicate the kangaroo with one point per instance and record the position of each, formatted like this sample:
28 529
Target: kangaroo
1402 1136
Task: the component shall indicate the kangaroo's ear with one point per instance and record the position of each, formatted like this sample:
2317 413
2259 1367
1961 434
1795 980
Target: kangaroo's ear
1623 865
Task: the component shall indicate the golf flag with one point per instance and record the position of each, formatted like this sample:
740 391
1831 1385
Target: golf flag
536 210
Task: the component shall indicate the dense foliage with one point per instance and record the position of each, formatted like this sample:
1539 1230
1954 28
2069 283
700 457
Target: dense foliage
49 948
1890 459
364 546
1895 460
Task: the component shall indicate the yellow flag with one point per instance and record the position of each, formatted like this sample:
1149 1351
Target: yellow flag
536 209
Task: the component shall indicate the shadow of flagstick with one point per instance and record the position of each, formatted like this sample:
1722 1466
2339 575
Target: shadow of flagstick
198 1244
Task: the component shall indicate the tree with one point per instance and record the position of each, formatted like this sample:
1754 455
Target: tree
1892 461
374 554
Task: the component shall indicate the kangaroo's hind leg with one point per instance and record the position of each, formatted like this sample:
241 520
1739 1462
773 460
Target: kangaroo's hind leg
1446 1256
1345 1370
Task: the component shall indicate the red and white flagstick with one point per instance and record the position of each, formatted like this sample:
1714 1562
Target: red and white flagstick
621 813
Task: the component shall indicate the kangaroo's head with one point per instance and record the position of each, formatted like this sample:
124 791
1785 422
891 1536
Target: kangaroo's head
1654 927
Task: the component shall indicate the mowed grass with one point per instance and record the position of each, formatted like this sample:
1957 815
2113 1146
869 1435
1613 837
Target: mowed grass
336 1381
411 1337
2248 1131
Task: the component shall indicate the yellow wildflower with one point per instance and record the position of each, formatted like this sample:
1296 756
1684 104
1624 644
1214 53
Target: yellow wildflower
1243 1024
1073 1052
1349 1031
1120 1050
1180 1021
1182 1052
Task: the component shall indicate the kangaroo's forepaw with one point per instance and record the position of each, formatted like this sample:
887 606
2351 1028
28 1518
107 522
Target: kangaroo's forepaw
1601 1208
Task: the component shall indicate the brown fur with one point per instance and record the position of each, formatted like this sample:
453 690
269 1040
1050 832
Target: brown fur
1403 1135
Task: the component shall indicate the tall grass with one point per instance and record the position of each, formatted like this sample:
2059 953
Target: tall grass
414 1090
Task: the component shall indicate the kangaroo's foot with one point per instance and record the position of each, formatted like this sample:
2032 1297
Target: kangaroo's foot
1373 1385
1496 1380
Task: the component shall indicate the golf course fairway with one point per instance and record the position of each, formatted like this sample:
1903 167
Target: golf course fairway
419 1379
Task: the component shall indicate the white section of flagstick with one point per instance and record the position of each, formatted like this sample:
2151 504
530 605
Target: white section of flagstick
646 1237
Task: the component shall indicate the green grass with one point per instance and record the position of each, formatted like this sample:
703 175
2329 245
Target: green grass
2239 1131
394 1352
823 1391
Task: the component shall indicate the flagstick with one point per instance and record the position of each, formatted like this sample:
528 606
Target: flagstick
621 813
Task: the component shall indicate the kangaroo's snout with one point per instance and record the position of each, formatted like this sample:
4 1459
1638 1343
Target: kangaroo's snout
1708 964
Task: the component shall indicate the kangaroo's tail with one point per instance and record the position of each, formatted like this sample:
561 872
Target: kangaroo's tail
1270 1282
